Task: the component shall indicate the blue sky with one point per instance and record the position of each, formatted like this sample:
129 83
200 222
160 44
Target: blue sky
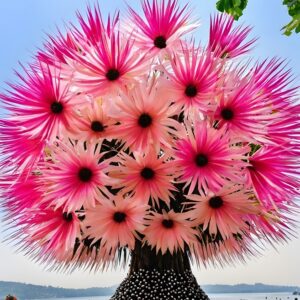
23 26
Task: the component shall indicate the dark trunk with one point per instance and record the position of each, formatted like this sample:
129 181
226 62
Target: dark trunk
159 277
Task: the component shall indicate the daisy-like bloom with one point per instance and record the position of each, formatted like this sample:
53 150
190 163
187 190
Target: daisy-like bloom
244 112
223 212
163 27
54 231
225 41
169 231
145 117
111 63
42 106
93 123
273 174
148 176
207 160
193 77
74 176
115 222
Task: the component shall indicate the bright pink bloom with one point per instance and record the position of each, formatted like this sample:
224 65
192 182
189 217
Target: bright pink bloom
93 123
194 77
226 41
207 160
115 222
43 105
273 174
223 212
165 24
169 231
50 232
145 118
148 176
74 176
109 64
244 112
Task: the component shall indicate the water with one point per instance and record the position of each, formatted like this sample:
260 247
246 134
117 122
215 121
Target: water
236 296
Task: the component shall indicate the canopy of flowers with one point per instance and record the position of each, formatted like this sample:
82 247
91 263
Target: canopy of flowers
127 130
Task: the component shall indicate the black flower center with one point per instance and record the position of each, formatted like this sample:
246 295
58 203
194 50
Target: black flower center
97 126
112 74
68 217
191 90
85 174
147 173
119 217
227 114
56 107
145 120
160 42
168 223
201 160
215 202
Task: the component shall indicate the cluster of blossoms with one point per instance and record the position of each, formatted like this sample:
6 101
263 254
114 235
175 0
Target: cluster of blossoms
126 131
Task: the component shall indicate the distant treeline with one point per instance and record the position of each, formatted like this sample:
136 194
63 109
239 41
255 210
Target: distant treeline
29 291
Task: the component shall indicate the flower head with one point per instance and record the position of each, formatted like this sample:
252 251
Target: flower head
165 23
115 222
75 176
194 77
226 41
145 117
148 176
207 160
169 231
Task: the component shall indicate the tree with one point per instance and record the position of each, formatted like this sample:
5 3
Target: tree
236 7
124 140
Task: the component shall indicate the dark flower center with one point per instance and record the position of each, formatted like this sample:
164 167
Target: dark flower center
227 114
191 91
147 173
97 126
119 217
112 74
160 42
56 107
68 217
215 202
145 120
168 223
201 160
85 174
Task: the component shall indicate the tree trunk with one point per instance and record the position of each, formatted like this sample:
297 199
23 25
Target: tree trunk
157 277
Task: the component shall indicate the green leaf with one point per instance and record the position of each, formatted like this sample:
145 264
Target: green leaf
293 7
232 7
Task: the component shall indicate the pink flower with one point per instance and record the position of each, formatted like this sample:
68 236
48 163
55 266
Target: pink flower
115 222
145 118
207 160
50 232
169 231
148 176
165 24
273 174
223 212
226 41
74 176
244 112
194 77
108 63
43 105
93 123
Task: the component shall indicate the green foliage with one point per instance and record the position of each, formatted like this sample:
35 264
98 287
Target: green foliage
232 7
294 11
